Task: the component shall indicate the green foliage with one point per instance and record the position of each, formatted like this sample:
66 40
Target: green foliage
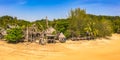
4 20
61 25
67 33
14 35
80 23
116 25
42 23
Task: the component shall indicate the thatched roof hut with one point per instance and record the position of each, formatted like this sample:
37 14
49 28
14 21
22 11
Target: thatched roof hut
61 35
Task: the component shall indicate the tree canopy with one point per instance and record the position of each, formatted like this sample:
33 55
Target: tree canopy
14 35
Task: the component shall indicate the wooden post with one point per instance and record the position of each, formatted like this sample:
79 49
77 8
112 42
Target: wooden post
27 34
47 22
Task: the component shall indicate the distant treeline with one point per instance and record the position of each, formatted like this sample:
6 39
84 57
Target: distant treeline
77 24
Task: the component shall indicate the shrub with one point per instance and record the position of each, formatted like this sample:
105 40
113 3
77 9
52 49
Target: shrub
14 35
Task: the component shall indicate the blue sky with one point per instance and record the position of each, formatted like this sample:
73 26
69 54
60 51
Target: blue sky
37 9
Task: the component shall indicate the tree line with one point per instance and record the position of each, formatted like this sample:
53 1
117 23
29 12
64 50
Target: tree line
78 23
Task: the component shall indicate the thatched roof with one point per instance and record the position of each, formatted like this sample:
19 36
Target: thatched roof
61 35
11 26
4 32
33 28
50 30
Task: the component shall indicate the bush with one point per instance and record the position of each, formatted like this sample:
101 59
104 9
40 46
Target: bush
14 35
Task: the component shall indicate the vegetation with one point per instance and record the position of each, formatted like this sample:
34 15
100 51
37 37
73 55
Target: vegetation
83 25
14 35
79 23
4 20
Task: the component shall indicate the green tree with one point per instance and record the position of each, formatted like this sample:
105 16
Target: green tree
85 24
78 19
14 35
